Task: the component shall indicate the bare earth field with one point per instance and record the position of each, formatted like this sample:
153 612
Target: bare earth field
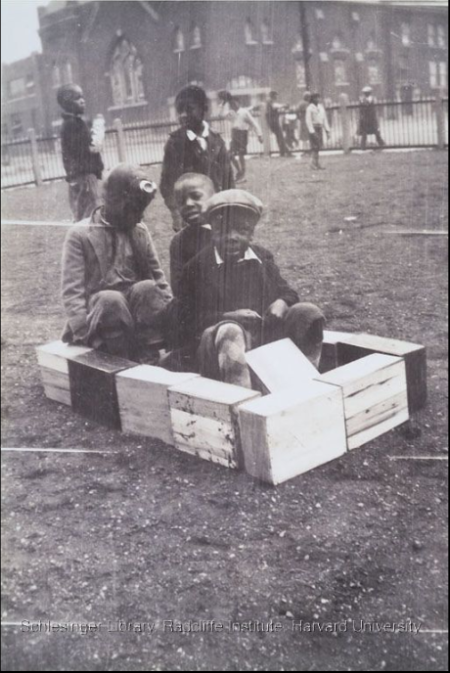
143 534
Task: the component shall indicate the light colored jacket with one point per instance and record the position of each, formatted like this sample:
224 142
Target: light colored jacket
85 267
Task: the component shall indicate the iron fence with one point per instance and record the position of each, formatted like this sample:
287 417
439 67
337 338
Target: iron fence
419 123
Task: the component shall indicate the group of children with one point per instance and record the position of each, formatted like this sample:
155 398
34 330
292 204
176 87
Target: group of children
227 294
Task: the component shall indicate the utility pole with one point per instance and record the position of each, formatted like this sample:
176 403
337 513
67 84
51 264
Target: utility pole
304 28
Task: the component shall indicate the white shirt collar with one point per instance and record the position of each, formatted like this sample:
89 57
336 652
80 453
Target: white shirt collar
204 134
250 254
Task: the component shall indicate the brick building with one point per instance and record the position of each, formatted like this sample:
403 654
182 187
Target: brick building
22 97
132 57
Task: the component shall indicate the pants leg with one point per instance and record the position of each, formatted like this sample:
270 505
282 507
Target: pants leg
379 138
110 323
148 306
84 196
304 324
363 141
221 354
281 141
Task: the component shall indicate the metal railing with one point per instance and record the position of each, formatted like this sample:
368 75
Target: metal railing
419 123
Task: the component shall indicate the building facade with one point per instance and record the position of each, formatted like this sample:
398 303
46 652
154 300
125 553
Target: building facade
22 97
131 57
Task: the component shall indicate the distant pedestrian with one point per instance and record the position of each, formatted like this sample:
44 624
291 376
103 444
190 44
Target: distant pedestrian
193 148
317 123
242 121
290 123
81 144
368 119
304 133
273 112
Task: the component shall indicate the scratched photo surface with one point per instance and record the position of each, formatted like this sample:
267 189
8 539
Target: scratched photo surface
280 502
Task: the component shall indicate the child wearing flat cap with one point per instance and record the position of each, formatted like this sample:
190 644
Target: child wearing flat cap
233 297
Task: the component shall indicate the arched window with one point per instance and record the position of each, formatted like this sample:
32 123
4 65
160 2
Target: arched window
126 75
67 73
340 73
196 38
249 33
373 72
406 34
298 46
441 37
56 76
266 33
178 41
372 44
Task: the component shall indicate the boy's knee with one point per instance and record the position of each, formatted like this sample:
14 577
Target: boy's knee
230 333
148 300
306 314
109 302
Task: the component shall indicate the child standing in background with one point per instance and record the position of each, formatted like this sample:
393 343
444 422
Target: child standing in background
81 147
193 148
242 121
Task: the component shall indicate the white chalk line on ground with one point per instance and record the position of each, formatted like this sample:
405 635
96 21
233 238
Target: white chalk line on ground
36 223
418 458
43 450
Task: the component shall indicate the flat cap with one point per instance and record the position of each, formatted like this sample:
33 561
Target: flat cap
367 89
235 198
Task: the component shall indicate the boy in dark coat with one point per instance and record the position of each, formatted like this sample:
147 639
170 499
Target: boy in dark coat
193 148
81 156
192 191
368 119
113 287
233 297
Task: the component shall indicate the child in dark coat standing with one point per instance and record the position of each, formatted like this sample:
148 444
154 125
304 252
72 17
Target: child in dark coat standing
193 148
81 148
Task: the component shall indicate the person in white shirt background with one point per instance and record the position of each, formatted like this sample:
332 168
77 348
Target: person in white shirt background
317 123
242 122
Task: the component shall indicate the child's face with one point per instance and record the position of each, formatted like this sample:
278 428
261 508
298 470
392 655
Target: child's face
191 200
75 102
233 231
191 115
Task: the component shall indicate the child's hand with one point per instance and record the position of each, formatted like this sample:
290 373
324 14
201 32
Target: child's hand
244 316
277 311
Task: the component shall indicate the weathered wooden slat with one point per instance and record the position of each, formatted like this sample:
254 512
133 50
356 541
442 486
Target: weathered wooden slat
143 399
375 396
291 432
205 418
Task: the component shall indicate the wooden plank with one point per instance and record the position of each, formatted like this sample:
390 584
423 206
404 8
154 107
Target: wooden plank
56 385
423 232
142 394
291 432
360 345
280 365
374 389
204 416
93 386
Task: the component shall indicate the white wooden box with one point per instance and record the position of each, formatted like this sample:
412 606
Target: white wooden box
53 359
375 396
142 394
292 432
280 365
205 419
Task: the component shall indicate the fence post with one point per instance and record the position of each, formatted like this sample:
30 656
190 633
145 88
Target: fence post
346 133
440 120
35 157
266 133
121 149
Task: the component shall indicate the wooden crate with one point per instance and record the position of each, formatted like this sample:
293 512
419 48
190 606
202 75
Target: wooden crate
93 386
294 431
329 359
375 396
280 365
142 394
356 346
205 419
53 359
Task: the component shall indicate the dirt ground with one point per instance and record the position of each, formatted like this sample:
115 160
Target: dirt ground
141 535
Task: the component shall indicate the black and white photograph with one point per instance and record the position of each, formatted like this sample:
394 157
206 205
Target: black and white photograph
224 335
